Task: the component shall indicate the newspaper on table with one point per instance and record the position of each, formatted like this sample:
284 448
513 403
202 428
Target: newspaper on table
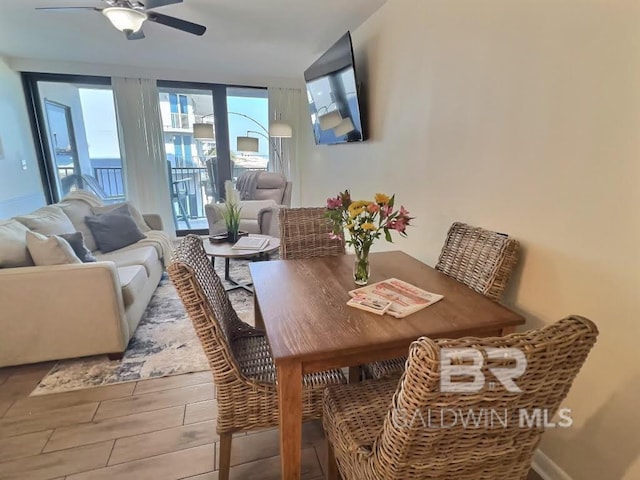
370 303
403 298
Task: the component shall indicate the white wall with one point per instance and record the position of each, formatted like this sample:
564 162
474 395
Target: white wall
20 190
522 117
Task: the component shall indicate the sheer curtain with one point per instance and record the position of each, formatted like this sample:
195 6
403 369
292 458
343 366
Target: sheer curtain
142 145
286 104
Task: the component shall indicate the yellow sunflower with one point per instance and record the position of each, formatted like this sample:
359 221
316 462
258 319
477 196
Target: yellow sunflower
382 198
368 226
357 207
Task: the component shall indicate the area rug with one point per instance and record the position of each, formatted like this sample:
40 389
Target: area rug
164 343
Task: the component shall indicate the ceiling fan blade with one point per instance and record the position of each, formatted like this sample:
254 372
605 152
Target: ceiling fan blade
149 4
139 35
61 9
174 22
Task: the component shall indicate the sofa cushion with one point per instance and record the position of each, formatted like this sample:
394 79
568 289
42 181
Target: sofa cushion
114 230
145 256
135 213
76 240
132 281
76 210
13 245
49 220
53 250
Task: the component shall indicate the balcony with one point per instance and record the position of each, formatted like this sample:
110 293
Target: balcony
192 184
179 121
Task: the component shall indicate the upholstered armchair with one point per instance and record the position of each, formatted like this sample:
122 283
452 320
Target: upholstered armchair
260 205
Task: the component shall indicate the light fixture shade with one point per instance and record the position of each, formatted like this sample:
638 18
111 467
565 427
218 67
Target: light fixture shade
125 19
278 129
248 144
329 120
344 127
203 131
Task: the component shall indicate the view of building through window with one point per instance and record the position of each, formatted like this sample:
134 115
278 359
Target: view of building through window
82 140
193 158
82 131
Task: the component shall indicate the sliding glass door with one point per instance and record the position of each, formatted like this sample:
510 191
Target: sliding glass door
80 134
248 113
190 155
211 133
202 124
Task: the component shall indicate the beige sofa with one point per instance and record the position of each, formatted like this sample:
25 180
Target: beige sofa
75 310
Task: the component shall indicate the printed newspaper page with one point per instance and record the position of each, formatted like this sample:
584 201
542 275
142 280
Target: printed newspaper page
405 298
370 303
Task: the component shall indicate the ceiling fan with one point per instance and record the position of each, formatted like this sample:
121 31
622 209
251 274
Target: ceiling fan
129 15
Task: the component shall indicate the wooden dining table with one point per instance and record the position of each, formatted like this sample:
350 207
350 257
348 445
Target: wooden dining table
302 306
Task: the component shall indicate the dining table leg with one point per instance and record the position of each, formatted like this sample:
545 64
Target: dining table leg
290 407
257 314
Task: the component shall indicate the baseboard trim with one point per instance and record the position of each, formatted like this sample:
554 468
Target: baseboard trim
547 468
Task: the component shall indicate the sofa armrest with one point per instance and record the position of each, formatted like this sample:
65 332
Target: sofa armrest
269 222
153 220
214 215
60 311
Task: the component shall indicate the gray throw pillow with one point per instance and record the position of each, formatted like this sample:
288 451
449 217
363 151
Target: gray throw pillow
76 240
114 230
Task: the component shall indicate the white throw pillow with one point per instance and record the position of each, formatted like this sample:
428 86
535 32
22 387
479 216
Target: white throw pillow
13 245
77 210
49 220
135 214
50 250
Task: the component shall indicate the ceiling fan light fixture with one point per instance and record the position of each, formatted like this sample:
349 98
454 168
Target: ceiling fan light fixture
125 19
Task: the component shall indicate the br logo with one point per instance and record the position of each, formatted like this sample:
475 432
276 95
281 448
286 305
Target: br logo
468 363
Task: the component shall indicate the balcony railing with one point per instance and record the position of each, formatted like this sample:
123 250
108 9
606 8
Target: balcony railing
192 184
181 120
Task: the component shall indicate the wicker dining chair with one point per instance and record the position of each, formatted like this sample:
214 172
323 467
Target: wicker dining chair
239 354
481 259
305 233
403 430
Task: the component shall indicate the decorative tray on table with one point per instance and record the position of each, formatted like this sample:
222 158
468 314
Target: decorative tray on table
223 237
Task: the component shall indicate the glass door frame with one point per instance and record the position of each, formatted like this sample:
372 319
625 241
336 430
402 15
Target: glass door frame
38 119
221 126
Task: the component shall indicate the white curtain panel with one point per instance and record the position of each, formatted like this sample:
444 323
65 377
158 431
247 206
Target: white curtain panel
142 144
285 105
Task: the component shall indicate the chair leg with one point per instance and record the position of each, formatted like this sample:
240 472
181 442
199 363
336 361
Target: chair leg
225 456
332 466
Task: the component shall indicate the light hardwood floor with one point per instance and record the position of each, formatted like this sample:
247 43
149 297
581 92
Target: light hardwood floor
160 429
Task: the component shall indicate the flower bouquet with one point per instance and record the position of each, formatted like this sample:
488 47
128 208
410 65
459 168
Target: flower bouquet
365 221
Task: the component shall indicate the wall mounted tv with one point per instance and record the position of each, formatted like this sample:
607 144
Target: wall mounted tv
332 92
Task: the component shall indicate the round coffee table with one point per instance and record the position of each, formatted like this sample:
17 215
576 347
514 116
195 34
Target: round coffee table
225 250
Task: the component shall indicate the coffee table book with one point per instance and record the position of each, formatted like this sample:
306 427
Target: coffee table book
405 298
251 243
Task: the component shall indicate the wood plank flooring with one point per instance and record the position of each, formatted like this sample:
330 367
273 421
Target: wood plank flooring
160 429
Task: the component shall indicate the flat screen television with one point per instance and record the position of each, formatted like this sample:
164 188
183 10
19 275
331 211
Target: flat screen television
332 92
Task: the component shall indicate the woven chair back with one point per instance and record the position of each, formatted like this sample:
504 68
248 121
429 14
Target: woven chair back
208 306
305 233
481 259
431 433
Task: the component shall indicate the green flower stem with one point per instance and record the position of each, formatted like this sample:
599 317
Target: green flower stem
361 267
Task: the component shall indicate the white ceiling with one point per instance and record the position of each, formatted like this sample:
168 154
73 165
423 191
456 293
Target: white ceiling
259 38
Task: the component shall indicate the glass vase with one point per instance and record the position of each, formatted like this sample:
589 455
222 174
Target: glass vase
232 236
361 267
